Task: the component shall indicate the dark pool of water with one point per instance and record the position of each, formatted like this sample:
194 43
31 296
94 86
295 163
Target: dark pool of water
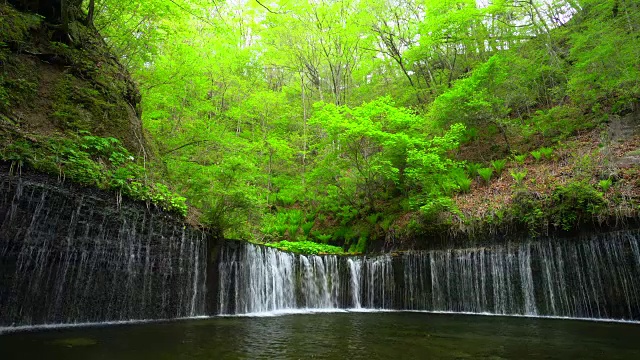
334 336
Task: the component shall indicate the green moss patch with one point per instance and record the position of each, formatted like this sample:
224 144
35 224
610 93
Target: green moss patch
92 161
15 25
306 247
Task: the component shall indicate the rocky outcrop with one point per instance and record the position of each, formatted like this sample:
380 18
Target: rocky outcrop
73 255
64 86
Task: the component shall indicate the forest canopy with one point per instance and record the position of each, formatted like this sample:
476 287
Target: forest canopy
340 121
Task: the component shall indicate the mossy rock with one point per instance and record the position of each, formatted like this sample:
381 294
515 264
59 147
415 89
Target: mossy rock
75 86
16 25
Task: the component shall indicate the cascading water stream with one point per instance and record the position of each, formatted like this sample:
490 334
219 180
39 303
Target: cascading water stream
260 279
593 277
71 258
355 269
68 258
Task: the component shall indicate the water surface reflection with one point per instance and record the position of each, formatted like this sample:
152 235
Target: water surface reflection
392 335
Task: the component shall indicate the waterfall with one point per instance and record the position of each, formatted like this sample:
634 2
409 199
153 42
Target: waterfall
73 256
589 277
378 282
355 269
68 257
260 279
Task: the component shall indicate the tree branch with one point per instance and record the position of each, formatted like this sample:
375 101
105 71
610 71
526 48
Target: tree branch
192 14
269 10
90 15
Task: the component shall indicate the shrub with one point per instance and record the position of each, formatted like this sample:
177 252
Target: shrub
306 247
536 155
518 176
470 134
344 233
527 208
280 229
18 153
605 184
306 228
347 214
546 152
485 173
499 165
435 205
160 195
448 187
323 238
386 223
295 217
373 218
361 246
312 216
460 180
293 232
520 159
574 202
472 169
464 183
94 161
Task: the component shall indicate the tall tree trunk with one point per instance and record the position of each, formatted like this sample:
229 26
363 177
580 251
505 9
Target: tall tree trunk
64 12
90 15
304 132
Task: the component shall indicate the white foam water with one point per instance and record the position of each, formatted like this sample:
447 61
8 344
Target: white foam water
596 277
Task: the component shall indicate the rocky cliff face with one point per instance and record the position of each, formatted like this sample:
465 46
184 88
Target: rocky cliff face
70 254
73 255
64 85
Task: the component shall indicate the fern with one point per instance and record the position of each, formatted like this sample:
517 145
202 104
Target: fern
485 173
499 165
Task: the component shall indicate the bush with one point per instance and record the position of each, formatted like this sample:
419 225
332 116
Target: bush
286 222
462 181
18 153
575 202
295 217
292 230
373 218
605 184
558 122
499 165
566 208
520 159
536 155
604 54
527 208
361 245
546 152
472 169
306 228
306 247
436 205
94 161
471 134
485 173
518 176
323 238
